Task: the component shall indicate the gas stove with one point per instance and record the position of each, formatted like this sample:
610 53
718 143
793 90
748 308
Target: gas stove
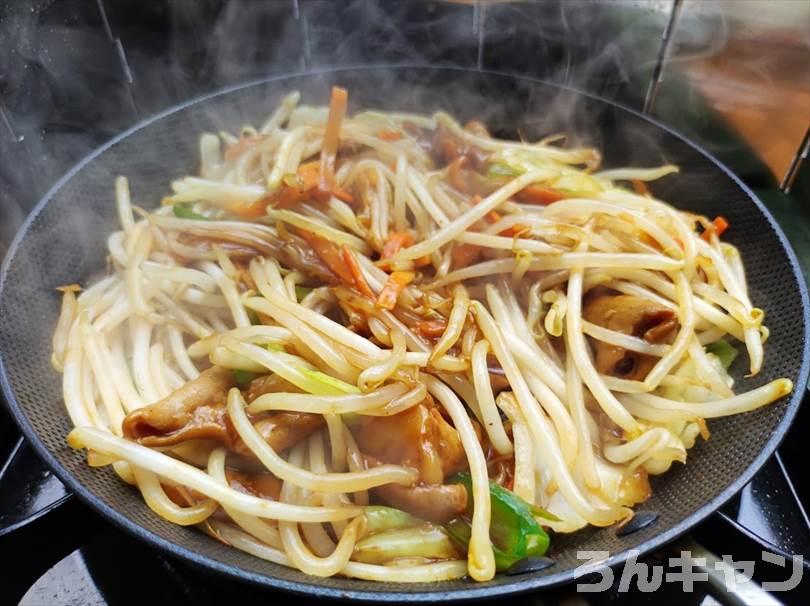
61 552
127 64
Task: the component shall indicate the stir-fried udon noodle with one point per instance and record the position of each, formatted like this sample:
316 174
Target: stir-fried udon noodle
395 348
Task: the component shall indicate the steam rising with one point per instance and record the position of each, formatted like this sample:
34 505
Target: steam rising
74 78
68 83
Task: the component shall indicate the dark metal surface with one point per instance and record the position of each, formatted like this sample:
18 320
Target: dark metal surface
770 511
796 163
153 153
75 73
29 489
73 557
663 54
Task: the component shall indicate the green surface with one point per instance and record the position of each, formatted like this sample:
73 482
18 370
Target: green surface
793 214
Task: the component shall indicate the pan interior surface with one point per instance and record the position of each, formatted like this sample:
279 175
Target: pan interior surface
64 241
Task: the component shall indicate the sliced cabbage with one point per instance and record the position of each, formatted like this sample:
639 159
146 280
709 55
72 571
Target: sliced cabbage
422 542
380 518
321 384
568 519
194 189
697 392
618 488
723 351
512 162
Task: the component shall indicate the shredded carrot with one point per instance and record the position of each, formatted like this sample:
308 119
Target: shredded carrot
464 254
718 226
308 175
537 194
342 194
421 261
254 209
647 239
396 241
287 197
358 280
395 284
389 135
515 230
331 136
304 185
297 188
640 187
492 217
430 328
330 254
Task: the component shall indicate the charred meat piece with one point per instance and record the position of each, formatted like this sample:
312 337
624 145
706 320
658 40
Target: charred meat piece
197 411
262 485
264 384
633 316
235 250
290 249
294 252
418 437
438 503
447 147
444 147
182 496
282 430
422 136
497 377
197 407
502 471
465 178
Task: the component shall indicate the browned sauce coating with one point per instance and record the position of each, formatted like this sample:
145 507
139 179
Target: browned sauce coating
196 404
418 437
197 411
633 316
437 503
263 485
290 249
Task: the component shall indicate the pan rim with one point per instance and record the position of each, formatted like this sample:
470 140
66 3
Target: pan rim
474 591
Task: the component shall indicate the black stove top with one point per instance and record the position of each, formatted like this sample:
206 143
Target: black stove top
56 550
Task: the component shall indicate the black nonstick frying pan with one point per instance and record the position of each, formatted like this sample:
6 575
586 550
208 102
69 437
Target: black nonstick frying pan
64 241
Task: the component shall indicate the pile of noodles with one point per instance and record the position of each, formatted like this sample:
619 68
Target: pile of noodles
491 281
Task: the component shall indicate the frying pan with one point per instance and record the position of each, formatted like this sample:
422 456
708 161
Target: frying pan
63 241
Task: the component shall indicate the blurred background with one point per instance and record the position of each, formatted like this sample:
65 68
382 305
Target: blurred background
731 75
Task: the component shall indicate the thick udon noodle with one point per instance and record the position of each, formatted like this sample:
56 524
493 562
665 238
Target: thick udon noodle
494 288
